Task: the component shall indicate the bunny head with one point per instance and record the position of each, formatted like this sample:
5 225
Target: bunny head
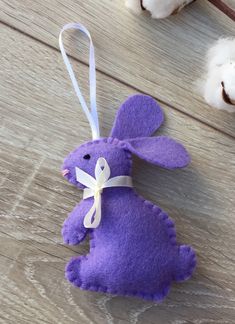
137 119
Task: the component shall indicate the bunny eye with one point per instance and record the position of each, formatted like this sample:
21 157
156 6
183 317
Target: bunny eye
87 157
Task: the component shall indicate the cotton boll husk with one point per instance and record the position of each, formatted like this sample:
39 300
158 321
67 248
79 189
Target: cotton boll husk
163 8
220 68
134 6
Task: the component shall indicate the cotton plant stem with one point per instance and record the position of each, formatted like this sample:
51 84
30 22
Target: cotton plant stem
222 6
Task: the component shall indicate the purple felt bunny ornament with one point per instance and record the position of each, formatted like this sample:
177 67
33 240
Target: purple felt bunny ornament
133 247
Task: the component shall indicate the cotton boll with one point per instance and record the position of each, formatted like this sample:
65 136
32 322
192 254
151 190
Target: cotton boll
218 87
221 52
213 91
158 8
134 6
163 8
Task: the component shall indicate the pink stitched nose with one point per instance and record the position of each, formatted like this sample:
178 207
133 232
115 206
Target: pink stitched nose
65 172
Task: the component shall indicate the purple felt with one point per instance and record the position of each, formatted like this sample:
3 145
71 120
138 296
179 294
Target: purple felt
134 250
119 159
139 116
162 151
73 231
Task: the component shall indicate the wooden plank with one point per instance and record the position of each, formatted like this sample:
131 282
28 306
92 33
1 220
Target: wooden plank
162 58
230 3
41 122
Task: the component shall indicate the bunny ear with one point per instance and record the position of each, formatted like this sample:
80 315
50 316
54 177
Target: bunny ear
162 151
139 116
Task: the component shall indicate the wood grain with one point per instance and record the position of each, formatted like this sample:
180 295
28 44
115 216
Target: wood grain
230 3
225 7
41 122
162 58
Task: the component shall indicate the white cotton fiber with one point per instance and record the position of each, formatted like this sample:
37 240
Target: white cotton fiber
158 8
218 84
134 6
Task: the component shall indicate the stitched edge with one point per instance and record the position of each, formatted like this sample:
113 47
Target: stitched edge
109 140
168 222
158 297
192 267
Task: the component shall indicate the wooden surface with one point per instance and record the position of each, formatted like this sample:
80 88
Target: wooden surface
41 122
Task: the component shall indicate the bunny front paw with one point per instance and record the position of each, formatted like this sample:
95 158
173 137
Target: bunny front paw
72 235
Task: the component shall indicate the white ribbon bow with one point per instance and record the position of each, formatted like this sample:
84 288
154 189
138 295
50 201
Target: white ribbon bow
95 188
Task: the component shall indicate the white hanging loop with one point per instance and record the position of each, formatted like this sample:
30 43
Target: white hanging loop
91 115
95 186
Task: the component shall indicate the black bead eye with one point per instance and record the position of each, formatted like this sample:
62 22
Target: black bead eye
87 157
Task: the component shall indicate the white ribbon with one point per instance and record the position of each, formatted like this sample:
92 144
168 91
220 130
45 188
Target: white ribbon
92 114
95 188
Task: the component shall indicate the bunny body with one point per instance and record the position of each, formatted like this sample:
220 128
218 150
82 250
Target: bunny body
134 249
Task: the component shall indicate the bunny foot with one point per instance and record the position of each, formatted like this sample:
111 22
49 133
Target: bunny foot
187 263
72 271
79 274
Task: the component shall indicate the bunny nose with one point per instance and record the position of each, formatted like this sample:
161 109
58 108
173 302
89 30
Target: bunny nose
65 172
